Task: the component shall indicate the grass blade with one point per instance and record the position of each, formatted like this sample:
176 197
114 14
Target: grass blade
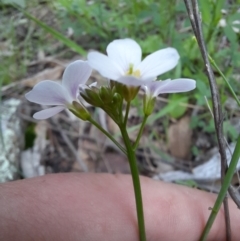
69 43
225 79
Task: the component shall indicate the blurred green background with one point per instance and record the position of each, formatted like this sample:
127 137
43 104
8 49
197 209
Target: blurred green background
77 26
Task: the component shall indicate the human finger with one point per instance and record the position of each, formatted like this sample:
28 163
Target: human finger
102 207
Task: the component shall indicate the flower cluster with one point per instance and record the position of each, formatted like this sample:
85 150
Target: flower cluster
127 73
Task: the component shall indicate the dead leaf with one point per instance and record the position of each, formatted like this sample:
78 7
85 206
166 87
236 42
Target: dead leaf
179 138
47 74
112 126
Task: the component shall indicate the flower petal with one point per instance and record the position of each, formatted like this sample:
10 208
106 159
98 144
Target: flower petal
48 93
75 74
151 88
44 114
131 81
158 63
170 86
124 52
105 66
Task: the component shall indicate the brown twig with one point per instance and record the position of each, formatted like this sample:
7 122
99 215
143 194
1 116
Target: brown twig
217 110
195 20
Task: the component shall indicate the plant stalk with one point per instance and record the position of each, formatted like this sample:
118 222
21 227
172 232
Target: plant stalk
223 191
108 135
135 145
136 182
127 112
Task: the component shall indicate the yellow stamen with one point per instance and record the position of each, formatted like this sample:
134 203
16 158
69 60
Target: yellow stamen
135 73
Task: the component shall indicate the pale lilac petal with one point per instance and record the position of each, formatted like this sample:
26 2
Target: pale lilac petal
170 86
124 52
151 88
44 114
105 66
75 74
158 63
131 81
48 93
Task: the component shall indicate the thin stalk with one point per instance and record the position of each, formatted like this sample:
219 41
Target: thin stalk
217 109
136 182
223 191
225 79
195 19
135 145
108 135
127 112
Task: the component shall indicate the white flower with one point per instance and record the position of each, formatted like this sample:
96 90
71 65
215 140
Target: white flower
62 95
124 60
154 88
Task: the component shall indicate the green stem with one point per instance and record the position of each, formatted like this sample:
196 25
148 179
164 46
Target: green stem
225 79
223 191
108 135
126 114
140 132
136 182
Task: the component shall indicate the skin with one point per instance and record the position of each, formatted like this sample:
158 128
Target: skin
97 207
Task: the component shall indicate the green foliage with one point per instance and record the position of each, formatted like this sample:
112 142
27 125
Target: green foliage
69 43
153 24
144 21
21 3
9 50
230 131
179 110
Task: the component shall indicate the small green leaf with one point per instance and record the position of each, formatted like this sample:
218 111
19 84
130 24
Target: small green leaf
206 13
188 183
150 44
178 111
231 35
230 130
30 136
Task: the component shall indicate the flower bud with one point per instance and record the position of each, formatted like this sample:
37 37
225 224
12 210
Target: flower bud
130 92
106 94
117 99
80 111
92 97
148 104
